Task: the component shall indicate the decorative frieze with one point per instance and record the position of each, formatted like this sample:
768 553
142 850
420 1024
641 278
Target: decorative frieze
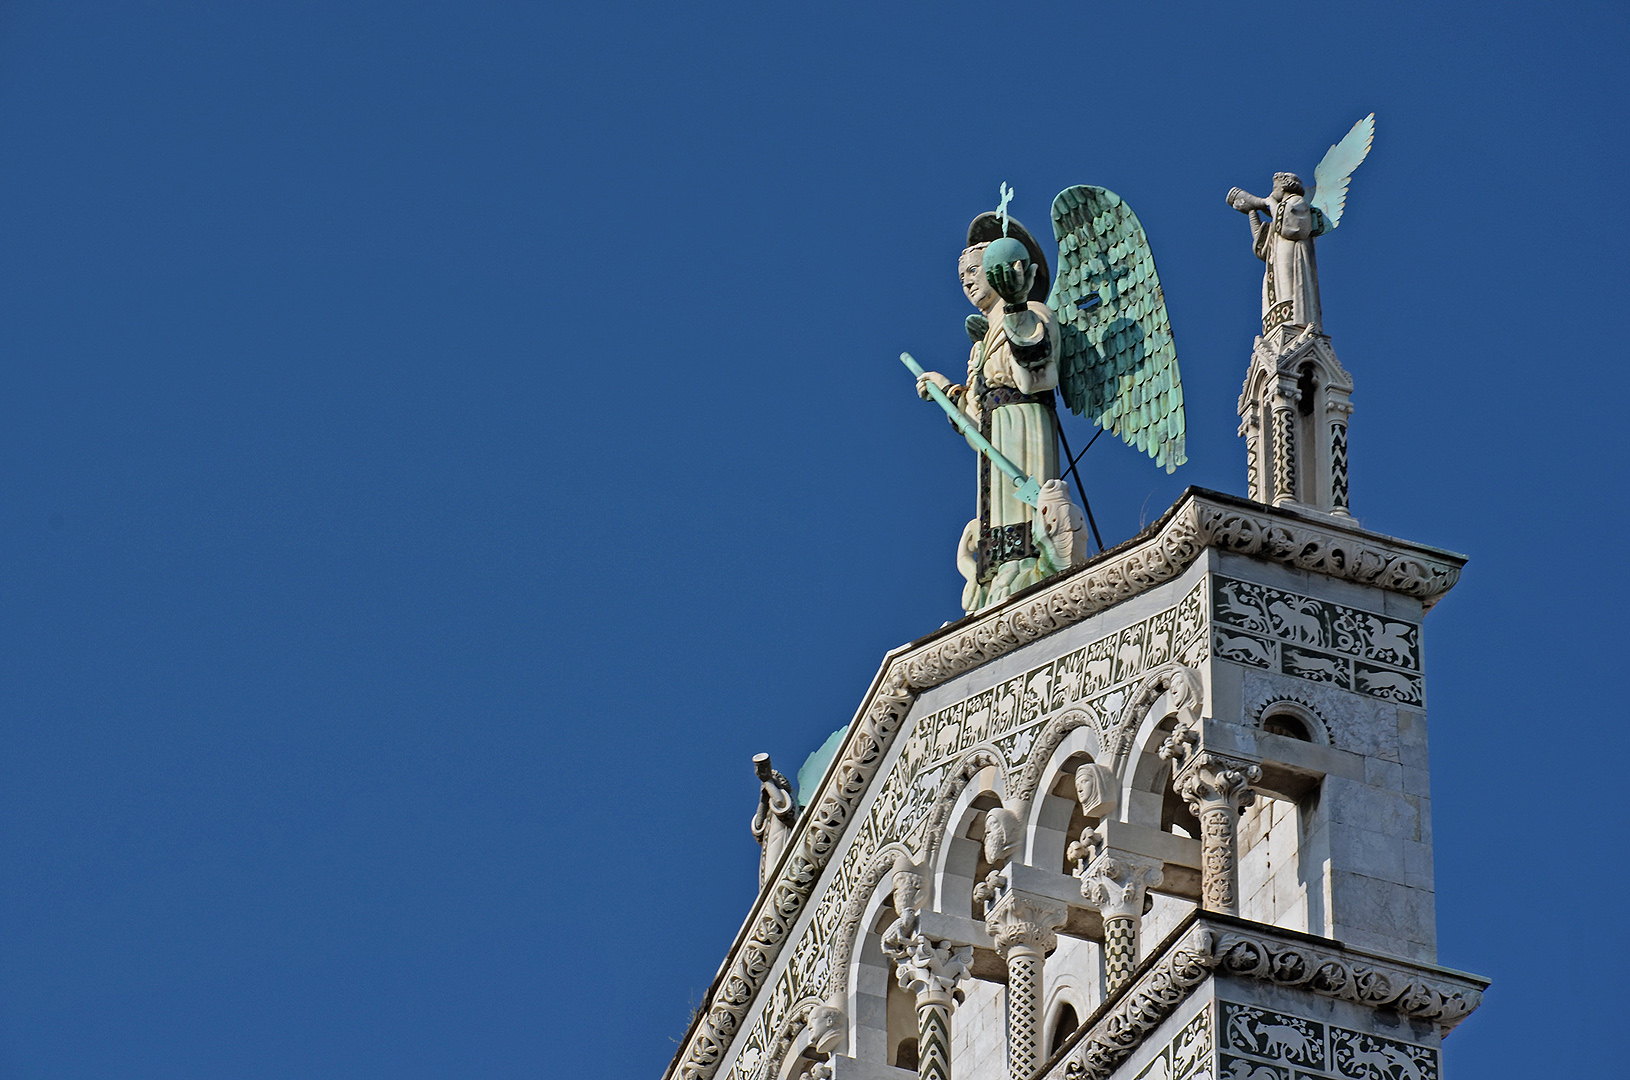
1259 1043
1317 640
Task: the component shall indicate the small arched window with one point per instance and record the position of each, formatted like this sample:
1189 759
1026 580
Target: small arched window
1063 1028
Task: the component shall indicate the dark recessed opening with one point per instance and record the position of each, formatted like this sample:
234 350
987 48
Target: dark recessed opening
1067 1023
1288 726
1306 385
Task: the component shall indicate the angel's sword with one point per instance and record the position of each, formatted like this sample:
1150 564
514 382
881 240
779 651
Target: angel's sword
1029 491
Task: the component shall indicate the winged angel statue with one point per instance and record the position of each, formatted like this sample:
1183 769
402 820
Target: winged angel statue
1098 335
1284 224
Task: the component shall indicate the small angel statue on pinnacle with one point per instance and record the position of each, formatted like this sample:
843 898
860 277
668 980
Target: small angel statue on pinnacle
1098 335
1285 223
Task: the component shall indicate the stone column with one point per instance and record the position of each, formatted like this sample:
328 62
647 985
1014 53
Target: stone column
1284 445
1340 411
1251 428
1024 928
934 971
1216 788
1117 884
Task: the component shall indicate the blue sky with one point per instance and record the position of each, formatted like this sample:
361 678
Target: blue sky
441 443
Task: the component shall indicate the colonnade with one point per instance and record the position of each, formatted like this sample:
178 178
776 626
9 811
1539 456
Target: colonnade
1025 906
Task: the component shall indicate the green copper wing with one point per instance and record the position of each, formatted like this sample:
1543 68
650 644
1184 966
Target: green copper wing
1119 365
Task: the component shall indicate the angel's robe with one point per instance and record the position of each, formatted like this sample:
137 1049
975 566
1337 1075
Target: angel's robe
1010 395
1290 280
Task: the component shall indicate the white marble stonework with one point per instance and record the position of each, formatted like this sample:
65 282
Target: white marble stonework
1287 643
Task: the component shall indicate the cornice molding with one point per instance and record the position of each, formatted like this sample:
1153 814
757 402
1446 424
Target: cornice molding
1209 944
1199 519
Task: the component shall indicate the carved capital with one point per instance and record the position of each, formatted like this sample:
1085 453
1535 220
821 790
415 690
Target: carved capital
1117 883
1023 922
1208 780
933 970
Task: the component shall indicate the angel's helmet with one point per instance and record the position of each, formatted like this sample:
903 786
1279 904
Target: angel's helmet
987 227
1289 183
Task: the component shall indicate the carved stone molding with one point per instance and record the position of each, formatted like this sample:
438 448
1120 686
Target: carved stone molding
881 865
1356 556
1199 520
1247 950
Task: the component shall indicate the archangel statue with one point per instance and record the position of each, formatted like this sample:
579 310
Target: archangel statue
777 813
1285 223
1098 335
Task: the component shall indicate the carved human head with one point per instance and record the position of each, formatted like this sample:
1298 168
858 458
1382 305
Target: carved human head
826 1024
1097 790
1289 183
971 269
908 885
1001 835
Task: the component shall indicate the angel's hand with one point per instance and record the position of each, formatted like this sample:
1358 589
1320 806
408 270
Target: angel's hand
1011 281
930 377
977 326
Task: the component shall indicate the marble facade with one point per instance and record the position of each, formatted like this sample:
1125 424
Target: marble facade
1246 682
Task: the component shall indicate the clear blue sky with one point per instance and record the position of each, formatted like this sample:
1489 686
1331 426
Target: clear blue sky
441 443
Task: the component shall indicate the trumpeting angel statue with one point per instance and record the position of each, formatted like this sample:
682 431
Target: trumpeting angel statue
1097 335
1285 223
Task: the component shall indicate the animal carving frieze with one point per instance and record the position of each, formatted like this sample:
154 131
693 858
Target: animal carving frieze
1316 640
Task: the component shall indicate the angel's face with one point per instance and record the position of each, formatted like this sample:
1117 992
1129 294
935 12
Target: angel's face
970 268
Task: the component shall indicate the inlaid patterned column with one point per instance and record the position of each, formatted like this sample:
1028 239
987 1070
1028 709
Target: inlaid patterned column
1216 788
934 971
1284 448
1339 412
1250 429
1024 928
1117 884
